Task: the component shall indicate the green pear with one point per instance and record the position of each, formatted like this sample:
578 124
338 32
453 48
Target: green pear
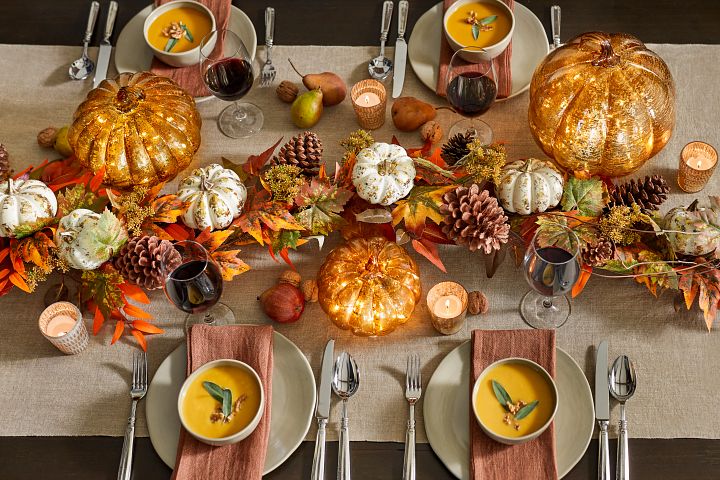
307 108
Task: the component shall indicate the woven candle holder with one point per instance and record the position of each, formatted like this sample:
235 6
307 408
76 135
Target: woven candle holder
74 340
692 177
369 117
447 324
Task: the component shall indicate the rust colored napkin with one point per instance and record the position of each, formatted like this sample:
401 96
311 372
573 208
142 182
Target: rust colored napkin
244 460
189 78
489 460
502 61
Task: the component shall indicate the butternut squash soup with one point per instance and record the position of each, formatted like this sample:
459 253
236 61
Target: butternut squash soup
202 409
179 29
514 399
478 24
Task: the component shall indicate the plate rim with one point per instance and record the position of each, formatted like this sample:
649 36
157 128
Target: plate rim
587 390
306 427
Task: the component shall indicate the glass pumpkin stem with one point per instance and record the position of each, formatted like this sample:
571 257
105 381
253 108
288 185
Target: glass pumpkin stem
608 57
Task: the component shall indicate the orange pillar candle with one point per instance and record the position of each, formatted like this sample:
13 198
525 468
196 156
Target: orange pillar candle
697 164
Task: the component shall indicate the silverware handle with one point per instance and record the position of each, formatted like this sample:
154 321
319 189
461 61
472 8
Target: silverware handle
92 18
402 16
269 26
343 472
409 463
126 458
603 452
386 18
622 468
110 22
555 21
318 466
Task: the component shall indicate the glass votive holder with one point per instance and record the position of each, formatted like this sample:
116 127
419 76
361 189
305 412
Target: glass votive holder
447 303
697 164
63 325
369 99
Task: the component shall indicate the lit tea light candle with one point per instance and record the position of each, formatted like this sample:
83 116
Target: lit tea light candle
697 164
62 324
448 306
368 98
447 302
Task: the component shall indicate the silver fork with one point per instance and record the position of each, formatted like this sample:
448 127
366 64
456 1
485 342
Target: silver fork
137 392
413 391
267 76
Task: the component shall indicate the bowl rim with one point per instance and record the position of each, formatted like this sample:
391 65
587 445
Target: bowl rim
249 428
171 5
542 371
455 6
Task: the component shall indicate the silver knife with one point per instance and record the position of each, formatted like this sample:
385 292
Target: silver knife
400 50
105 48
602 409
322 410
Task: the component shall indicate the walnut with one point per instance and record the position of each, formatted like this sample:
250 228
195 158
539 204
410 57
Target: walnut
287 91
239 403
291 277
477 303
46 137
216 416
309 289
431 131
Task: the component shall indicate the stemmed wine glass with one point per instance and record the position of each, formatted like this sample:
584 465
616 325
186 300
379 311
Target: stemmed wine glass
551 268
195 285
228 73
471 89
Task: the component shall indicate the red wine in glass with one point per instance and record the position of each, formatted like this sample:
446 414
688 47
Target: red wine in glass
471 93
552 271
229 79
194 286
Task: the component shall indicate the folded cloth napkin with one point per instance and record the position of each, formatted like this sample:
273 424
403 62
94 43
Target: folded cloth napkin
502 61
533 460
244 460
189 78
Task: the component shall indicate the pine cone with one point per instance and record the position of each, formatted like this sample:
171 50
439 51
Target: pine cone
649 193
141 260
474 218
456 147
304 151
5 171
598 253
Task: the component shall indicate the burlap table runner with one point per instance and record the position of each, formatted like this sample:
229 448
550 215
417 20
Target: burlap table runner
46 393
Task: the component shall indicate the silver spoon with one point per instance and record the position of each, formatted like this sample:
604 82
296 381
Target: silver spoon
346 380
380 67
83 66
622 386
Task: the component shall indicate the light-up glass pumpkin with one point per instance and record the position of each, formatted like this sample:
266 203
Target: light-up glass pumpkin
369 286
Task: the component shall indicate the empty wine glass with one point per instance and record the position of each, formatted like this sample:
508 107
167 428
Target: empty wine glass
195 285
551 268
228 73
471 89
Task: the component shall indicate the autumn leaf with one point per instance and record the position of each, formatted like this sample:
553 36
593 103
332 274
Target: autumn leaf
320 204
421 204
255 162
433 170
176 232
213 240
134 292
555 230
136 312
702 283
266 214
102 287
230 264
146 327
119 329
98 320
96 181
140 338
429 250
585 196
17 280
167 209
582 280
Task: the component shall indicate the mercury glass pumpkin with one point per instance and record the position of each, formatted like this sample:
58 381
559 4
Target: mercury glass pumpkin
143 128
369 286
602 104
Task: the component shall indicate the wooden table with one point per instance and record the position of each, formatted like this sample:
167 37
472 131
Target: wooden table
52 22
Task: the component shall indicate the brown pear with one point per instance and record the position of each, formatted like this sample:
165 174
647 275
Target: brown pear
333 88
409 113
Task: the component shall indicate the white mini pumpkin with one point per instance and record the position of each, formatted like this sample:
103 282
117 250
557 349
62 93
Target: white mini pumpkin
24 202
530 186
86 239
383 173
701 237
215 195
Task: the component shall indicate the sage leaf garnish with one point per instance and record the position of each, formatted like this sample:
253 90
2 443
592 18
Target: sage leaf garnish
214 390
525 411
488 20
227 403
475 31
501 394
170 44
188 35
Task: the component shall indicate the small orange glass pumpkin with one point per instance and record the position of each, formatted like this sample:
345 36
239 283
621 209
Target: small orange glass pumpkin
369 286
143 128
602 103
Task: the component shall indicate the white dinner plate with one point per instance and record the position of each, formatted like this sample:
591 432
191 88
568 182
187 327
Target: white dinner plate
132 54
292 409
530 46
447 412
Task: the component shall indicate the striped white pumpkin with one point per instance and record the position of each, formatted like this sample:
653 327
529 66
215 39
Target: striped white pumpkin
383 173
24 202
215 195
530 186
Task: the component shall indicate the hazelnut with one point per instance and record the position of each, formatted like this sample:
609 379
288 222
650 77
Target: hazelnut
431 131
477 303
309 289
291 277
46 137
287 91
